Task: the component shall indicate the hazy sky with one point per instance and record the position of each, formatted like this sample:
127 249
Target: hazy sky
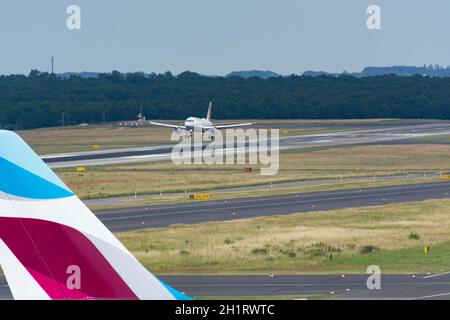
219 36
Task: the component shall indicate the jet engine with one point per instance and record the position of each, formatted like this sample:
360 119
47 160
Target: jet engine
213 131
178 131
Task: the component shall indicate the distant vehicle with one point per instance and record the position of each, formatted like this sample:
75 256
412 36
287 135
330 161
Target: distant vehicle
52 246
203 124
83 124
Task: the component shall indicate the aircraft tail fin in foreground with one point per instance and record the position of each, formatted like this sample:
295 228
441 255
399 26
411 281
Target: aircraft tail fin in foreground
52 246
208 115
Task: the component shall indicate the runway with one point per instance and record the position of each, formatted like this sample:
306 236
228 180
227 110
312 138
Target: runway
331 286
128 219
422 287
364 136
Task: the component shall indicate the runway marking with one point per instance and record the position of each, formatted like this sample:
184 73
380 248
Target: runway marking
256 205
433 296
57 156
335 284
150 156
436 275
253 285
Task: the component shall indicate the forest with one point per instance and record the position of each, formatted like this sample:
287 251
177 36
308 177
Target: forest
40 99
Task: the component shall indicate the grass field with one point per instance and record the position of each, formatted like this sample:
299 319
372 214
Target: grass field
340 241
329 242
443 139
329 163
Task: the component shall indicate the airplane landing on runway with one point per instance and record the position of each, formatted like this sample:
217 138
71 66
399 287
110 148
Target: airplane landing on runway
363 136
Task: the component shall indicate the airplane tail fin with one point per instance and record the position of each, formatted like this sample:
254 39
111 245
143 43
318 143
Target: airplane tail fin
52 246
208 115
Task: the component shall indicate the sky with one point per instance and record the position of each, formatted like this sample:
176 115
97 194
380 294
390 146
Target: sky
215 37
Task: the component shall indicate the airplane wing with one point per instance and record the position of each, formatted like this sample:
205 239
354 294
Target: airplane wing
167 125
224 126
52 246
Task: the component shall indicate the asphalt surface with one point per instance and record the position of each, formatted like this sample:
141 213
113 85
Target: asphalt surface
425 287
364 136
127 219
108 155
334 286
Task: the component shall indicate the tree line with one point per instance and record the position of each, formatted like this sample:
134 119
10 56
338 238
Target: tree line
40 99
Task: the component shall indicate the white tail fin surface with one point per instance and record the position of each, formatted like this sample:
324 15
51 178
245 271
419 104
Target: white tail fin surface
208 115
52 246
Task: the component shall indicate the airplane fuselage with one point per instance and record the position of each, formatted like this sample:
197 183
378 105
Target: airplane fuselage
193 123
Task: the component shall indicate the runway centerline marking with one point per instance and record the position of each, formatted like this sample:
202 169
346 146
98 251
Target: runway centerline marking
436 275
433 296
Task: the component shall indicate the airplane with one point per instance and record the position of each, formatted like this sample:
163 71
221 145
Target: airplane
53 247
203 124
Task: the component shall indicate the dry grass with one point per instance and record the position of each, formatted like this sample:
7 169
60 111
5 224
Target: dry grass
332 163
72 139
303 243
377 158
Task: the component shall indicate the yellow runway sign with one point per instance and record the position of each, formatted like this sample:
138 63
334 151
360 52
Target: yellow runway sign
199 196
